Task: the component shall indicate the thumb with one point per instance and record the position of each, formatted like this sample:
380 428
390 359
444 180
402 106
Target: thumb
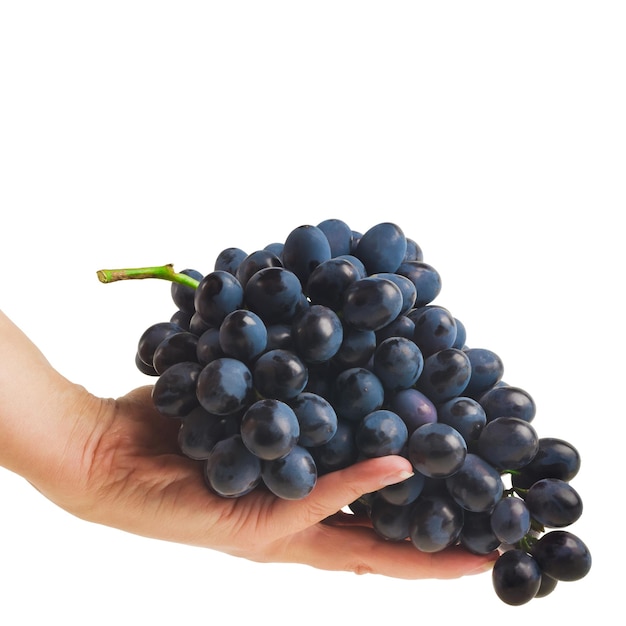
336 490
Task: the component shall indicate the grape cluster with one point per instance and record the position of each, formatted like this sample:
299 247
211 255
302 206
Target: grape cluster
305 356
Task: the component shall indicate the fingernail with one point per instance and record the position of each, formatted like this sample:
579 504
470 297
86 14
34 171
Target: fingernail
397 477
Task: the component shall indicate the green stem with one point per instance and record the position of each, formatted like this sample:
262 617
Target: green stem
163 272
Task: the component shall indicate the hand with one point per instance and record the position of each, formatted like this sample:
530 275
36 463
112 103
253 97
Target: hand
118 465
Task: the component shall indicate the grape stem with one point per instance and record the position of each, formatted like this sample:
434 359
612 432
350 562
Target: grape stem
163 272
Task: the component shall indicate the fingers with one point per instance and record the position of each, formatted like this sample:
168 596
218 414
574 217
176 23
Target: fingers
336 490
361 551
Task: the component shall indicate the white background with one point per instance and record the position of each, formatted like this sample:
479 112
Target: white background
138 133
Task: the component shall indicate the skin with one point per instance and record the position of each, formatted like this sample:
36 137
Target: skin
115 462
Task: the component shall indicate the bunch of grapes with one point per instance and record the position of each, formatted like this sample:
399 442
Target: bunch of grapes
308 355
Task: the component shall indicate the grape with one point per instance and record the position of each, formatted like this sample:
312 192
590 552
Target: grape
562 555
229 259
357 392
305 248
279 374
291 477
487 370
329 280
436 523
255 261
508 401
465 415
339 236
437 450
516 577
476 486
510 520
555 458
445 375
390 521
435 329
317 334
554 503
224 386
371 303
274 294
175 348
317 419
183 295
174 393
413 407
508 443
231 470
381 433
218 294
242 335
382 248
313 353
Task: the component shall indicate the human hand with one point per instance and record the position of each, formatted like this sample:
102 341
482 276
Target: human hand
117 463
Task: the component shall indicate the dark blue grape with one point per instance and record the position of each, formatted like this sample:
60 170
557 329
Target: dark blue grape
291 477
279 374
445 375
436 450
381 433
413 251
269 429
279 336
477 486
175 348
305 248
243 335
276 249
436 523
404 492
174 393
218 294
508 443
208 347
356 262
435 329
339 451
516 577
197 325
487 370
152 337
229 259
554 503
382 248
555 458
231 470
477 535
339 236
548 585
402 326
182 319
413 407
510 520
317 419
371 303
144 368
254 262
390 521
357 392
465 415
183 295
461 334
274 294
407 289
329 280
398 363
508 401
225 386
317 334
199 431
426 279
357 348
562 555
